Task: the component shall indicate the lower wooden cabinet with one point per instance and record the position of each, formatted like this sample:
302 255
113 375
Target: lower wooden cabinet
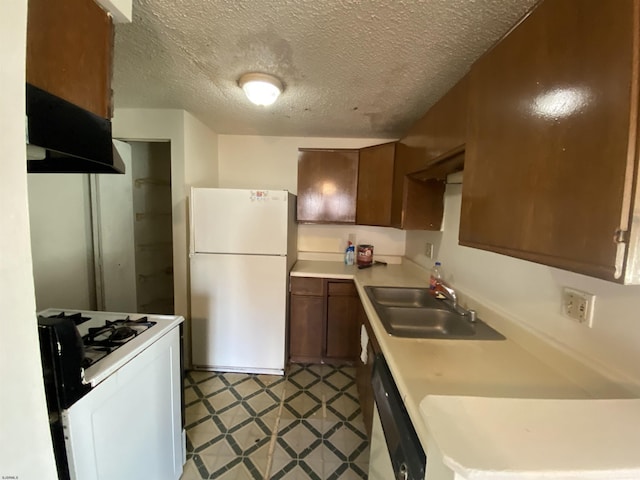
364 371
342 324
306 328
323 324
324 327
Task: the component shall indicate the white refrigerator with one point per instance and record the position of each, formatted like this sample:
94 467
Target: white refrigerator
243 244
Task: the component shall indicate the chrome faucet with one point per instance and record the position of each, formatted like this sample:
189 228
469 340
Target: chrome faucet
450 293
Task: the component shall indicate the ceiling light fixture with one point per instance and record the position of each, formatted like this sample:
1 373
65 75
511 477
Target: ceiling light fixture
260 88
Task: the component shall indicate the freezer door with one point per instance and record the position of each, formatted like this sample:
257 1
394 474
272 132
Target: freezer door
238 312
239 221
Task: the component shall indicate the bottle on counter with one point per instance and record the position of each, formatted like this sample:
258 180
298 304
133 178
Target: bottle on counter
349 254
436 276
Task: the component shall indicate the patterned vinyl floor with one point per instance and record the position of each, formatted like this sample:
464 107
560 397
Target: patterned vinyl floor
305 425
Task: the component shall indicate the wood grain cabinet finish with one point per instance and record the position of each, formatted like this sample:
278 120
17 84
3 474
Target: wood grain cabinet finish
306 328
323 325
442 129
307 323
364 371
387 194
70 52
327 185
388 198
551 167
342 321
375 185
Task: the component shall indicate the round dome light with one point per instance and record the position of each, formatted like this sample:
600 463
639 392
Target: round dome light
260 88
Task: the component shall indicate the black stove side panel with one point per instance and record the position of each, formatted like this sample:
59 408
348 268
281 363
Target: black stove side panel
48 349
64 357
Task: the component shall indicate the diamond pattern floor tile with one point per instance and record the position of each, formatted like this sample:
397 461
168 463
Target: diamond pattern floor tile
209 386
305 425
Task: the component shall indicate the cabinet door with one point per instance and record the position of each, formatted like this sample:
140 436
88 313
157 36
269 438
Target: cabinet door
375 185
442 128
70 52
363 376
548 167
327 186
306 328
310 286
342 321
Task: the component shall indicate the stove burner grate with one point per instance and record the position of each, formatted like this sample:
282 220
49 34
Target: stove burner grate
100 341
76 317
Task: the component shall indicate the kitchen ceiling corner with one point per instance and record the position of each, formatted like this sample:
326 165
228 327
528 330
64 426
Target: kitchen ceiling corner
351 68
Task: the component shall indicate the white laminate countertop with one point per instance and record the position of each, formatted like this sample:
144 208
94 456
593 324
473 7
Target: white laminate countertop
485 438
422 367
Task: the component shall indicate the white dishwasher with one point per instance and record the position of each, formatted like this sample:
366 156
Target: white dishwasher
395 452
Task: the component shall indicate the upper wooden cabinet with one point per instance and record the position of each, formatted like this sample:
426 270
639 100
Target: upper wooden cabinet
327 185
388 192
388 198
375 185
69 52
378 185
551 167
442 129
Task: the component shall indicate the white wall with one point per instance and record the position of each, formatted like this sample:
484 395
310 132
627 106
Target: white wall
200 153
26 451
530 294
272 163
61 241
387 242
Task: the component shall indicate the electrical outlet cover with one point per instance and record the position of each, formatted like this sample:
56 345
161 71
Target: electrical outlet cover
578 305
428 250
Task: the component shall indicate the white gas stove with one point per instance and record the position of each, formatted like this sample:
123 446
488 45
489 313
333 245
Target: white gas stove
113 382
105 351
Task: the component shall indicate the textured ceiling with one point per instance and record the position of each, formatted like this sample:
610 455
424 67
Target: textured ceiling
351 68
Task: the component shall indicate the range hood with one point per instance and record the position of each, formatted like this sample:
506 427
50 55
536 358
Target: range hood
64 138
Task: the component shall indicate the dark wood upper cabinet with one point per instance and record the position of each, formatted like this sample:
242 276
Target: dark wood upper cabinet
551 167
327 185
70 52
390 193
442 129
388 198
375 185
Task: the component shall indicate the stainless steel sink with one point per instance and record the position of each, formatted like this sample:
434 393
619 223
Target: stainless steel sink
416 313
403 297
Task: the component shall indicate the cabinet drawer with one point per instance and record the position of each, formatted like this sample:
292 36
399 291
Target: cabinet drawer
342 289
307 286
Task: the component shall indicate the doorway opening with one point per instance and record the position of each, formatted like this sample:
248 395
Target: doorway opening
104 242
152 214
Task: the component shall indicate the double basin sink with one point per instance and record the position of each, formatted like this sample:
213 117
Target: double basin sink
416 313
